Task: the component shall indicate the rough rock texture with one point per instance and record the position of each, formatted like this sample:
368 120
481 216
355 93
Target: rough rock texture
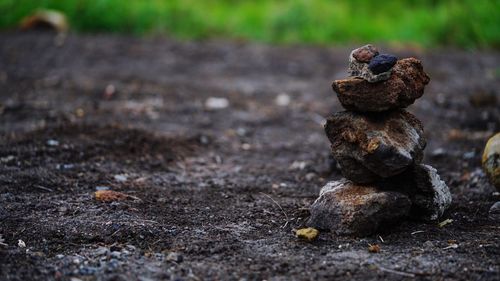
491 160
494 213
364 53
382 63
430 196
406 84
361 70
349 209
369 147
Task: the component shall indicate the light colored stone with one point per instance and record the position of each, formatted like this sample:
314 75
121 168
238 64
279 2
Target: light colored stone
346 208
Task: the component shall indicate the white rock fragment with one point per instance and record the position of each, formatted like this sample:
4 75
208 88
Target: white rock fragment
52 142
21 243
120 178
282 100
214 103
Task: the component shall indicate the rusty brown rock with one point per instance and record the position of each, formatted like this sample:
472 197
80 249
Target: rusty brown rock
346 208
405 85
369 147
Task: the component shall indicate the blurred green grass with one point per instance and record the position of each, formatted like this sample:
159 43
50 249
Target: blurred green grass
427 23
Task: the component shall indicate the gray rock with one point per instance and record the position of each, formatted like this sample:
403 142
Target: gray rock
175 257
346 208
369 147
430 196
361 70
494 213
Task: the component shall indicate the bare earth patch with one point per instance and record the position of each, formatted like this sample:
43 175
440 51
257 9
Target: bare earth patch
219 190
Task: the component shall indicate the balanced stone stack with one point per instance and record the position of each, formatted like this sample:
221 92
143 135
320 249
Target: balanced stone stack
379 148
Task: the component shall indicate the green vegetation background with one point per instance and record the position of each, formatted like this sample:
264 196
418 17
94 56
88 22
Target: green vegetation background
428 23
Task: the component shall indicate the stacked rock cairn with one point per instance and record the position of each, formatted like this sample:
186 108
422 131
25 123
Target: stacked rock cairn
379 148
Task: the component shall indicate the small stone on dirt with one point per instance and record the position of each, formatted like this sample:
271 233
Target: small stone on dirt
52 142
428 245
308 234
282 100
120 178
174 257
214 103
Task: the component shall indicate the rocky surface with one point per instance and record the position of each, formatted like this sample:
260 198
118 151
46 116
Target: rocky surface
370 147
405 85
346 208
491 160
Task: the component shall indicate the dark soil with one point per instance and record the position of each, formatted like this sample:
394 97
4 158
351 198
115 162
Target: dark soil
220 191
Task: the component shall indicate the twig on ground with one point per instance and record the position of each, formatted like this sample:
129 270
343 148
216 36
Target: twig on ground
418 231
283 211
43 188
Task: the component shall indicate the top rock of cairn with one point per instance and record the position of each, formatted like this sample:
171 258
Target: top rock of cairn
380 82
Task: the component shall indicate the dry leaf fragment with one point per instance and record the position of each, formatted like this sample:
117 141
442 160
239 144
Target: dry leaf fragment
110 196
445 222
308 234
373 248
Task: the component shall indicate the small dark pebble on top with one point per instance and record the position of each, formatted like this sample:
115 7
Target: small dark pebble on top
382 63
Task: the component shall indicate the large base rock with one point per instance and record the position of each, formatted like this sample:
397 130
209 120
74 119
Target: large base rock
405 84
371 147
430 196
349 209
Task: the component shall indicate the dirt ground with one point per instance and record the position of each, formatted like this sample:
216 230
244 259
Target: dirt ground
219 191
